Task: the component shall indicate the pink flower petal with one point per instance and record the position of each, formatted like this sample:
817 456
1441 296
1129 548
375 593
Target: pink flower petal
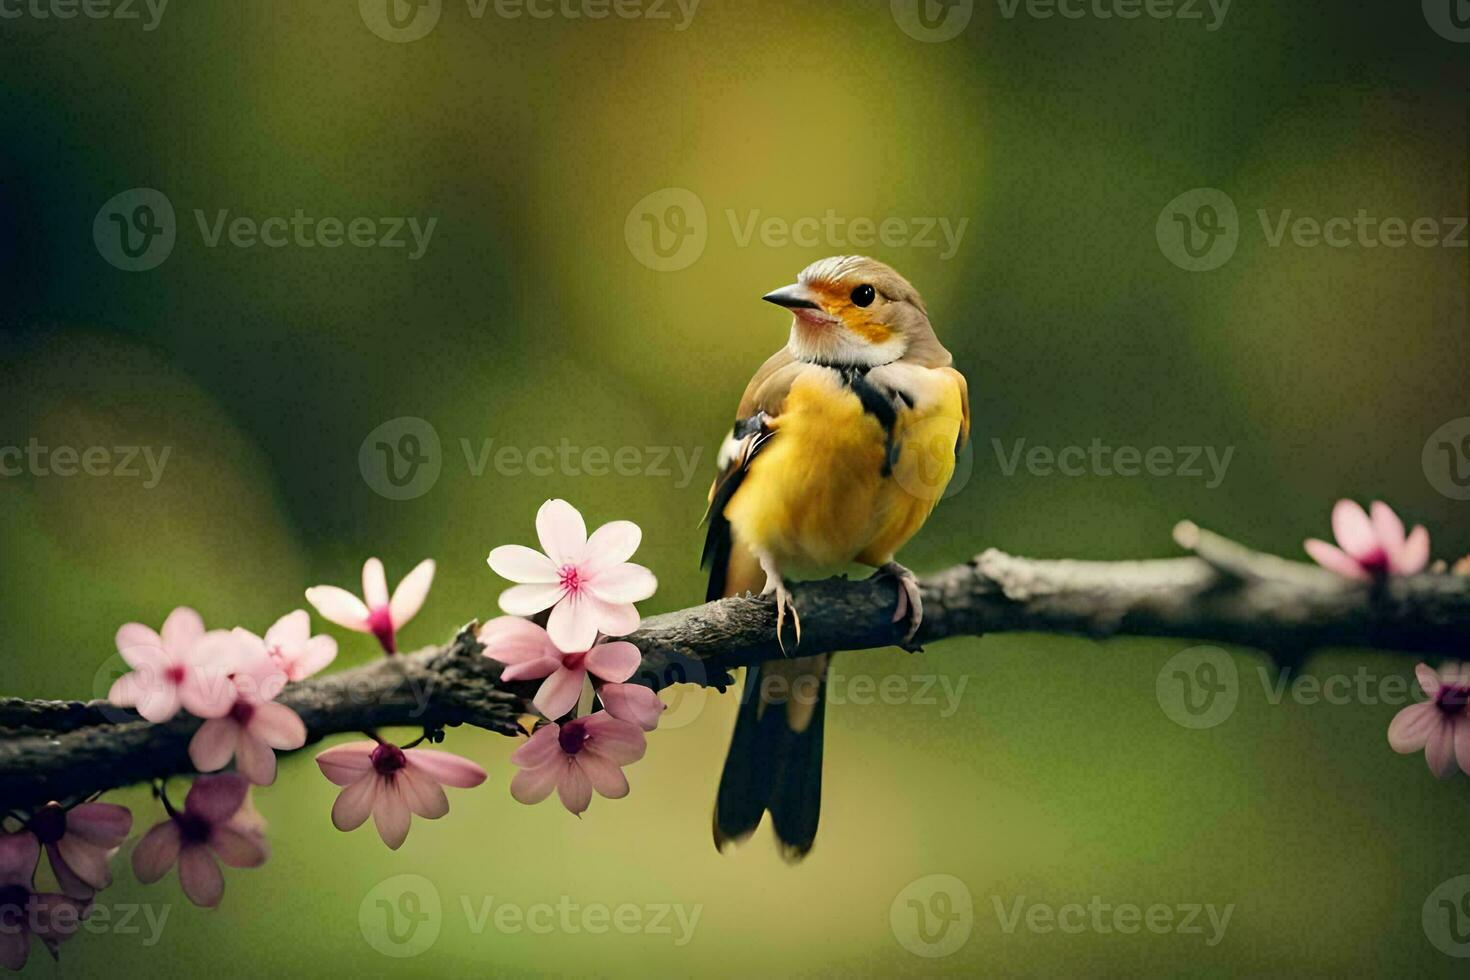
1415 553
1353 529
1387 527
213 745
409 597
391 814
290 631
19 854
338 606
622 584
512 640
200 876
1440 750
560 692
1334 560
103 824
531 786
424 796
181 630
612 544
621 741
15 948
521 564
94 859
604 775
632 702
355 802
216 798
1429 681
254 759
236 848
278 726
311 658
528 600
539 749
531 670
139 646
562 532
615 661
374 584
446 767
346 764
574 788
1411 727
156 852
573 621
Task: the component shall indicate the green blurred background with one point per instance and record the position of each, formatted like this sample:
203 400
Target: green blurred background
532 319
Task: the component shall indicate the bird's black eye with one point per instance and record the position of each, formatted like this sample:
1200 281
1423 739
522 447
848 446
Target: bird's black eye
864 295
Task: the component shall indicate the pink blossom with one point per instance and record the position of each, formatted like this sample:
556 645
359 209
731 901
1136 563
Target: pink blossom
255 725
291 645
80 842
185 666
632 702
376 612
391 784
1370 547
1439 726
575 758
588 583
24 912
217 822
529 653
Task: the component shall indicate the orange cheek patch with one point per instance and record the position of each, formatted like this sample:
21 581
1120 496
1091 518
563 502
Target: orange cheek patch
854 317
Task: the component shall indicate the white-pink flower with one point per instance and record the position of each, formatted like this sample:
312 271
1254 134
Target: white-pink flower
588 583
80 841
391 784
217 823
376 612
184 667
1439 726
529 654
575 758
291 645
255 725
632 702
1370 547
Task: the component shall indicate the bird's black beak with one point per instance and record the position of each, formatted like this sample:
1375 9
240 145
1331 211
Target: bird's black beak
794 297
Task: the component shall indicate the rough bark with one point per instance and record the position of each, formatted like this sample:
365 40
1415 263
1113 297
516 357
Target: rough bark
1223 592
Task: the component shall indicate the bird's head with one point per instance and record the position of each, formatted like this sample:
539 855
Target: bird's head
853 311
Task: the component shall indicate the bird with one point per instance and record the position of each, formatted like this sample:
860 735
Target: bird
843 442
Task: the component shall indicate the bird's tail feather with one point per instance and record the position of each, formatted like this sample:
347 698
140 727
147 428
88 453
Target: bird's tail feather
775 758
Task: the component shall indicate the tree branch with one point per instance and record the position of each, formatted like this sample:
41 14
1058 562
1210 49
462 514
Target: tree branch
1225 593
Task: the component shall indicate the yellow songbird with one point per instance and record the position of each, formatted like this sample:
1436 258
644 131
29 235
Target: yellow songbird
843 443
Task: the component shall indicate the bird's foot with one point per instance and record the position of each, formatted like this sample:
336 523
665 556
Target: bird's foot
776 586
910 603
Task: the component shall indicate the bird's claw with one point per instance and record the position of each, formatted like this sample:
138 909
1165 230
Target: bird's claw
783 605
910 602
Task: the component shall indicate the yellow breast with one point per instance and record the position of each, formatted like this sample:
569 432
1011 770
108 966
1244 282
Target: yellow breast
826 491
